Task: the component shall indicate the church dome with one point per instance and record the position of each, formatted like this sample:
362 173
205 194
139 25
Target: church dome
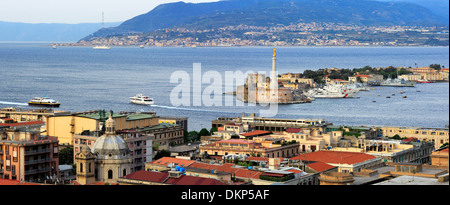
109 145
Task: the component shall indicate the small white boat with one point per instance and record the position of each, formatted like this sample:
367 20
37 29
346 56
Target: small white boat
142 100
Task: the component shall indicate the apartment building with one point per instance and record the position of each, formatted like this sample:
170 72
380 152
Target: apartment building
25 155
437 135
250 148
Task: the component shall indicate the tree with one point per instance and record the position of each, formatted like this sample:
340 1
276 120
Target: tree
162 153
435 66
66 155
185 135
204 132
193 136
212 130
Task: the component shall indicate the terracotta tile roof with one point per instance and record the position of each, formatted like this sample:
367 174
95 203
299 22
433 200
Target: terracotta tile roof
168 160
255 133
22 123
243 173
443 151
163 177
320 166
238 141
192 180
335 157
367 76
95 183
142 175
295 171
261 159
293 130
15 182
228 167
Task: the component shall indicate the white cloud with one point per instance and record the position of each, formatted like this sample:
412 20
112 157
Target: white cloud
77 11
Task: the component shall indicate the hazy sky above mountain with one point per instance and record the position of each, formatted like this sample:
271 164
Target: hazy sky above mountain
77 11
90 11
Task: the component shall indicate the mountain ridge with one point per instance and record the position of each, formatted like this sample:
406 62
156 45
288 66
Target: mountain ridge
272 12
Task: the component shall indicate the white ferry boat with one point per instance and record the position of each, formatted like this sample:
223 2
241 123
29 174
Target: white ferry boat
43 101
142 100
101 47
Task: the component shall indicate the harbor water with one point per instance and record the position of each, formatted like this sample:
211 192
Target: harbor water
83 79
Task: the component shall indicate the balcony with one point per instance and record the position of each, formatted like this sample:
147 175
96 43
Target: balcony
36 161
38 151
34 171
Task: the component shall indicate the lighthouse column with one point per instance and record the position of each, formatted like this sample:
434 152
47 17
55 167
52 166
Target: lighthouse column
274 80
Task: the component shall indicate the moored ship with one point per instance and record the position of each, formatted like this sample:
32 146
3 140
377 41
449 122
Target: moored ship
398 83
43 101
331 91
142 100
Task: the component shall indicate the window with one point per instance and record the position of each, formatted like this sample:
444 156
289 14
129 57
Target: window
110 174
124 172
81 167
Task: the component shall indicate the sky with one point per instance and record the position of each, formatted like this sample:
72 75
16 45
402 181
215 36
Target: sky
77 11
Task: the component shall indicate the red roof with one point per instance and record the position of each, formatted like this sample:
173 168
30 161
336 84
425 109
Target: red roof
293 130
320 166
335 157
192 180
444 151
238 141
256 133
261 159
168 160
295 171
163 177
243 173
148 176
15 182
22 123
367 76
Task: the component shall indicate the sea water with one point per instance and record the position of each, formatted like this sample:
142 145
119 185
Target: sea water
83 79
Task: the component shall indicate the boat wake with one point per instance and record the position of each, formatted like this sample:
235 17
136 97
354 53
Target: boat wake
12 103
178 108
188 109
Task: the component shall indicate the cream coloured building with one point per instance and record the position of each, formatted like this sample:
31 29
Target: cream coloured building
437 135
65 126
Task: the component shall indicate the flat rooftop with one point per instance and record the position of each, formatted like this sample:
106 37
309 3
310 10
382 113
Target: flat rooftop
410 180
